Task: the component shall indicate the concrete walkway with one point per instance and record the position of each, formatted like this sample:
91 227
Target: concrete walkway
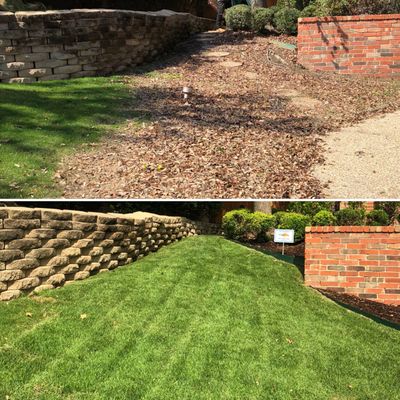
363 161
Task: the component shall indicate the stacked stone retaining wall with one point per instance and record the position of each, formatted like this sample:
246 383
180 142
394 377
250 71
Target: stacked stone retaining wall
46 248
41 46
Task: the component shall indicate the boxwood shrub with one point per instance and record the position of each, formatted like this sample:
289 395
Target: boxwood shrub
244 225
263 17
295 221
239 18
378 218
324 218
350 217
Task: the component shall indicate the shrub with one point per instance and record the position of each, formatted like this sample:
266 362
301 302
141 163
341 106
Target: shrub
278 217
350 217
310 11
390 207
378 218
285 20
246 226
266 222
263 17
324 218
310 208
295 221
239 18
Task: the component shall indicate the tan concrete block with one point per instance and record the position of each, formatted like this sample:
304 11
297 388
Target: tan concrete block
71 252
56 280
23 244
10 255
58 261
42 272
35 72
42 233
25 263
10 295
25 284
11 234
21 223
70 235
81 275
57 243
41 253
67 69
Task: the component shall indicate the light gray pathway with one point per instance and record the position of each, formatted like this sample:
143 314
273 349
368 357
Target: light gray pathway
363 161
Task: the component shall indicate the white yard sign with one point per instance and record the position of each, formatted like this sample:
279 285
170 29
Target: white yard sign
284 236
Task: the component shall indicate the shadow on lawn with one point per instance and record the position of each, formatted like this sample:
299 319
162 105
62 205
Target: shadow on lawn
39 121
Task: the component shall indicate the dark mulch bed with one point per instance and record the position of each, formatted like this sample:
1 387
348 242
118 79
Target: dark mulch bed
290 249
386 312
253 131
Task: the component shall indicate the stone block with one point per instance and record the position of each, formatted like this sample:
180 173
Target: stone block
16 66
11 275
84 217
70 235
11 234
35 72
24 244
50 63
54 77
84 244
57 243
105 258
13 34
84 226
42 272
42 288
25 284
81 275
42 233
61 55
10 295
10 255
55 224
94 266
4 58
21 80
70 269
21 223
58 261
41 253
67 69
83 260
32 57
71 252
56 280
59 215
7 75
96 251
23 264
83 74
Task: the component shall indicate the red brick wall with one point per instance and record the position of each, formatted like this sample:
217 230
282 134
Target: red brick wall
363 44
359 260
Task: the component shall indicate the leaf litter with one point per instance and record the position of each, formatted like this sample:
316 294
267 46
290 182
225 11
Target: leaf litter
254 131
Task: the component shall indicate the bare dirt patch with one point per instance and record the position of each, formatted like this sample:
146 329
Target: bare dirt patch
237 136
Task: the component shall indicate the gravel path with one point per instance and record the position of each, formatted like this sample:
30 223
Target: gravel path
363 161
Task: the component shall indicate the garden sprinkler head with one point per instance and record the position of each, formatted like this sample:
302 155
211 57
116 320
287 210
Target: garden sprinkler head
186 91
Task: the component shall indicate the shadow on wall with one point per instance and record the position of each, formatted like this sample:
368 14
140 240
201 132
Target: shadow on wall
200 8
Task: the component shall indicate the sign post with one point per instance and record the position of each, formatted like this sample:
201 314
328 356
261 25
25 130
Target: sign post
284 236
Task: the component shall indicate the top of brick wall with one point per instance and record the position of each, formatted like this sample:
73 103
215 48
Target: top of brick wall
351 18
353 229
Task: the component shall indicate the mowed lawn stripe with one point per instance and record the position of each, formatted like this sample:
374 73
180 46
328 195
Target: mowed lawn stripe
204 318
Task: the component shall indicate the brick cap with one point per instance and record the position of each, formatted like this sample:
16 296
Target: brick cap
353 229
351 18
